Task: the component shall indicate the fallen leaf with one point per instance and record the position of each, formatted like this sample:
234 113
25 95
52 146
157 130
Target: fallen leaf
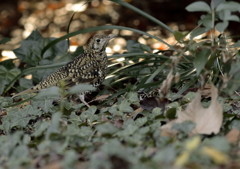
53 165
136 112
2 113
101 98
166 84
233 136
207 120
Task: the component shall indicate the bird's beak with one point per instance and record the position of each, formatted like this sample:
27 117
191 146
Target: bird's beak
111 36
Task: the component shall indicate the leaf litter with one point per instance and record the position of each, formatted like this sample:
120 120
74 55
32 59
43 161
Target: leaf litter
207 120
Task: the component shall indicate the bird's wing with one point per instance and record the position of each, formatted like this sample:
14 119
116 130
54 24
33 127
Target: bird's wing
83 69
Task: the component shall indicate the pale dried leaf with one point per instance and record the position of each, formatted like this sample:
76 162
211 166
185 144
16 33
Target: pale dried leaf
136 112
233 136
166 84
2 113
53 165
101 98
207 120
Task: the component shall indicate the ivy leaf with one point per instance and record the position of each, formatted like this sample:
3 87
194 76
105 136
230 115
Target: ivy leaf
20 118
30 49
185 127
133 97
166 155
129 130
51 92
6 76
81 88
107 128
125 107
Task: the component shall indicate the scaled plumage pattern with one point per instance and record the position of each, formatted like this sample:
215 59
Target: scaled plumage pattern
88 68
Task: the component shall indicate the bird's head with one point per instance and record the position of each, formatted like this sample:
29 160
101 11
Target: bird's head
98 43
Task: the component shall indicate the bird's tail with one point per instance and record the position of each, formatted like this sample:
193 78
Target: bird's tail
24 92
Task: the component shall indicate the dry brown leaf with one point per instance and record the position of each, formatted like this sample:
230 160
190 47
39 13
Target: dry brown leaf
207 120
233 136
2 113
166 84
53 165
136 112
101 98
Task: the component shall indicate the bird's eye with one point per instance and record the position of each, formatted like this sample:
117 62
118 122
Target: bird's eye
98 40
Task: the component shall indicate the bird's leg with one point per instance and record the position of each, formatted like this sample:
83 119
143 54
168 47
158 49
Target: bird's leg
81 96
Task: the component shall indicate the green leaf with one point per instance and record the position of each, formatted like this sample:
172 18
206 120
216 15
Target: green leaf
89 114
197 32
145 48
179 35
134 47
106 128
165 155
133 97
51 92
189 96
35 35
6 75
185 127
85 131
206 21
171 113
25 83
19 157
215 3
31 48
228 6
227 16
81 88
218 142
156 112
125 107
198 6
141 121
129 130
114 110
221 27
40 128
201 59
19 118
70 158
4 40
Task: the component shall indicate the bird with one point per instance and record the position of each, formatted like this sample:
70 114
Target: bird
90 67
